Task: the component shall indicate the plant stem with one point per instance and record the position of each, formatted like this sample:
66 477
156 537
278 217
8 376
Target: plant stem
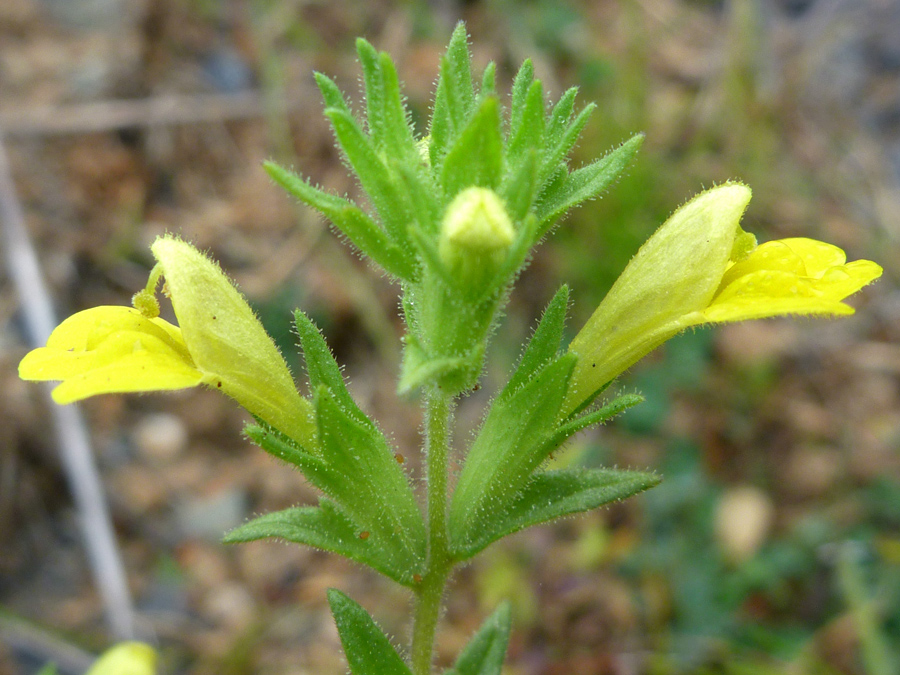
431 590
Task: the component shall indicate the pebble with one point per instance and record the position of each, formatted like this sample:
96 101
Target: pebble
160 438
230 605
743 519
209 517
812 471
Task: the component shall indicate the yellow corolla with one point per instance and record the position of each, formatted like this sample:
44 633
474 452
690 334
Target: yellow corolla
219 342
699 268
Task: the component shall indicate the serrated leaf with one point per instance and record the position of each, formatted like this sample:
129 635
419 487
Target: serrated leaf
521 86
359 473
364 478
454 96
485 652
331 93
323 369
554 494
555 155
585 183
520 186
352 221
529 132
387 117
379 183
476 157
368 650
489 80
510 445
544 344
559 118
324 527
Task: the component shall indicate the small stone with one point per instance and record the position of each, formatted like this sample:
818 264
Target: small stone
209 517
161 438
743 519
812 471
230 605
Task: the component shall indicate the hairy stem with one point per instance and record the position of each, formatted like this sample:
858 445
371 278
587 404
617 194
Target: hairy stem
431 590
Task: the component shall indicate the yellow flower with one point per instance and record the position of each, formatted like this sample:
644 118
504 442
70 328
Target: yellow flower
219 342
125 658
699 268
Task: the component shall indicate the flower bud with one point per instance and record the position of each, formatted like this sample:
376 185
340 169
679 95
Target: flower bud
475 236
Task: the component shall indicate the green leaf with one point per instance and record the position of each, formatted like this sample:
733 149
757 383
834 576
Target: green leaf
363 476
49 669
489 80
544 344
554 494
379 183
519 186
368 650
358 471
521 87
331 93
486 650
454 96
358 227
322 368
557 152
374 92
476 157
387 117
559 118
585 183
278 445
324 527
419 369
529 133
514 439
601 416
424 198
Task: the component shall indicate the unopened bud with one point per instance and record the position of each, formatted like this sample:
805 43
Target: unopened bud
475 236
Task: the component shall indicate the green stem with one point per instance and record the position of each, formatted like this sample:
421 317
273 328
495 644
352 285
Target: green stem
431 590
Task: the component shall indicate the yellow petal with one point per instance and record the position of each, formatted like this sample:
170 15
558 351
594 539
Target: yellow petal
769 293
139 371
84 330
817 256
111 350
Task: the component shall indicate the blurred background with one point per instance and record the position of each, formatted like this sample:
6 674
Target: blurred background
772 546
